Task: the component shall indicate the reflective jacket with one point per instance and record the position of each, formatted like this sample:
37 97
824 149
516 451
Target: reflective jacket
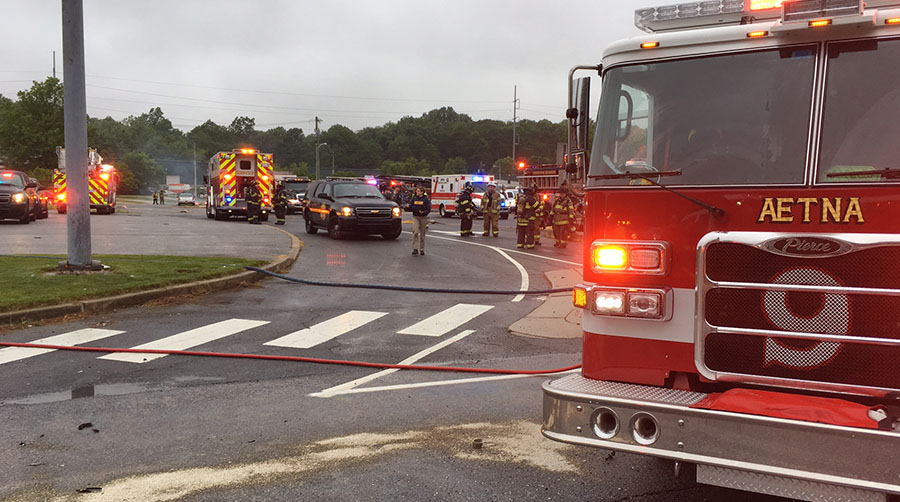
280 199
563 211
490 203
464 204
526 205
253 196
420 206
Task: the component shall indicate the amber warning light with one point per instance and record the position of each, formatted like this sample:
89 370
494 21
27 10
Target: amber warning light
634 257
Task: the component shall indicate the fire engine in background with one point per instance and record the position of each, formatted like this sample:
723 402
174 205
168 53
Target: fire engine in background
445 188
548 178
103 183
741 299
230 174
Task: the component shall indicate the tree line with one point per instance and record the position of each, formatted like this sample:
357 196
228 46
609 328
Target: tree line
145 148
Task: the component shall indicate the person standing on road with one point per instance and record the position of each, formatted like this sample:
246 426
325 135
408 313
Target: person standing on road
279 202
490 210
155 198
254 198
540 210
420 206
563 217
525 208
162 197
465 208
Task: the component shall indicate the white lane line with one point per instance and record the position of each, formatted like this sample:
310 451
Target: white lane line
326 330
186 340
72 338
508 250
442 383
344 387
522 272
446 320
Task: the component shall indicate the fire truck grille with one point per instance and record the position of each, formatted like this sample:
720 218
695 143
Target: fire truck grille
829 322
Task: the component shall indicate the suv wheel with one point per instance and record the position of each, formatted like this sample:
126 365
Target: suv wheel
392 235
26 219
310 228
334 229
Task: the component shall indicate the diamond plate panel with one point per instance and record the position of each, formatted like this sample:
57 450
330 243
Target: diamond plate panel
578 384
783 487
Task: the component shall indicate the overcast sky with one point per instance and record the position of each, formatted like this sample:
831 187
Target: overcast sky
353 62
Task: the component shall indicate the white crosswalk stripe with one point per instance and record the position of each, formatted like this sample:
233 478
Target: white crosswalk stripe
187 339
78 337
447 320
326 330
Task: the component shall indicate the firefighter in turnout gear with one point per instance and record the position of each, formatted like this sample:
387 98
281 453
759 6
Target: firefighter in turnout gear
280 201
525 211
465 208
563 217
490 209
254 199
540 212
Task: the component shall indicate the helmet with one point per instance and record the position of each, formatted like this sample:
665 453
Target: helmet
468 186
529 191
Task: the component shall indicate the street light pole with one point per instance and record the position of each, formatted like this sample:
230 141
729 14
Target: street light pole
78 220
320 145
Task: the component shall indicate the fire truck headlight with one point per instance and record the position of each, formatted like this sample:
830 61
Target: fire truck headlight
579 297
609 302
18 198
396 212
347 211
644 305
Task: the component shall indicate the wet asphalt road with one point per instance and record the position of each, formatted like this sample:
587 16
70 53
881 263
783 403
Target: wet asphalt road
181 428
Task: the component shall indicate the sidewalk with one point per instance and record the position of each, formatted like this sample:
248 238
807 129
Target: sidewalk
556 317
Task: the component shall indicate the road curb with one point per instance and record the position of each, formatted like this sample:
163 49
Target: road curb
281 263
555 317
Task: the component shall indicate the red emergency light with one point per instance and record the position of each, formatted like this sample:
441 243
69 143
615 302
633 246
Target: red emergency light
7 175
104 176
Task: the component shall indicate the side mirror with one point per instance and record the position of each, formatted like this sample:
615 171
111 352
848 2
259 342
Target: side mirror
31 185
578 114
325 196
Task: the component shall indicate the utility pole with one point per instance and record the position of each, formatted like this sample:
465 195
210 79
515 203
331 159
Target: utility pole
195 169
317 147
515 137
78 219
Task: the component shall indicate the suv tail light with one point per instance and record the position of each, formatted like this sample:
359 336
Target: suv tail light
632 257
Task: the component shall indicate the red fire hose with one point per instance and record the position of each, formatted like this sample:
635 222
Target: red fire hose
299 359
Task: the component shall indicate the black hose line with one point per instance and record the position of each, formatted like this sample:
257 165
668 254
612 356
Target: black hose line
410 289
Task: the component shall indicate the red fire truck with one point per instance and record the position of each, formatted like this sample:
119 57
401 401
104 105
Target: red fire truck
228 176
103 183
741 294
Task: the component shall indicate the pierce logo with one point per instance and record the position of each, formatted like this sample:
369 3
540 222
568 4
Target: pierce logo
807 246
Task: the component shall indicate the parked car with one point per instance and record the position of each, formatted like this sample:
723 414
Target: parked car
18 200
45 196
187 199
344 207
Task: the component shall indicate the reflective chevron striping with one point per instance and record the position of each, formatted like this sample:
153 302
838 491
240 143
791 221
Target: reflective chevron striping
187 340
71 338
447 320
326 330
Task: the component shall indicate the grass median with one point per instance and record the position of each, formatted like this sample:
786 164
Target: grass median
32 281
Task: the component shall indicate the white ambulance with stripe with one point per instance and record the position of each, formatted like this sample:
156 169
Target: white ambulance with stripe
228 176
446 187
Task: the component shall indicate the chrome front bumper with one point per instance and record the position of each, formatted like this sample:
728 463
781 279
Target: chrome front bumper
860 464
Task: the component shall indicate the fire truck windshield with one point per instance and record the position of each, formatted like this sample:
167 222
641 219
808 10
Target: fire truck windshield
862 96
732 119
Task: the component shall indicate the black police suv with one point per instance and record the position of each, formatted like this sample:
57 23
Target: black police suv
345 207
18 200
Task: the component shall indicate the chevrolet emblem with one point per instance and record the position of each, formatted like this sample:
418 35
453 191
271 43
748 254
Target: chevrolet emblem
375 211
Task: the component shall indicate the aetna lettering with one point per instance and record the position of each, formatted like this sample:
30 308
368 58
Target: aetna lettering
806 209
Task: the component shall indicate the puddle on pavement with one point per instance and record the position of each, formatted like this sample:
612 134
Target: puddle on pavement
104 389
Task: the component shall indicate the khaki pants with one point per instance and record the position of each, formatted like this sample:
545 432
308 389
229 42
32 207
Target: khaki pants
420 223
491 223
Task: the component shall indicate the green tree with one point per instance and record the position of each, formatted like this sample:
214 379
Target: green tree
455 165
144 172
32 127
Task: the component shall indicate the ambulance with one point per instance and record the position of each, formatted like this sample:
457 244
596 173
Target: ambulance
228 176
445 188
741 287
